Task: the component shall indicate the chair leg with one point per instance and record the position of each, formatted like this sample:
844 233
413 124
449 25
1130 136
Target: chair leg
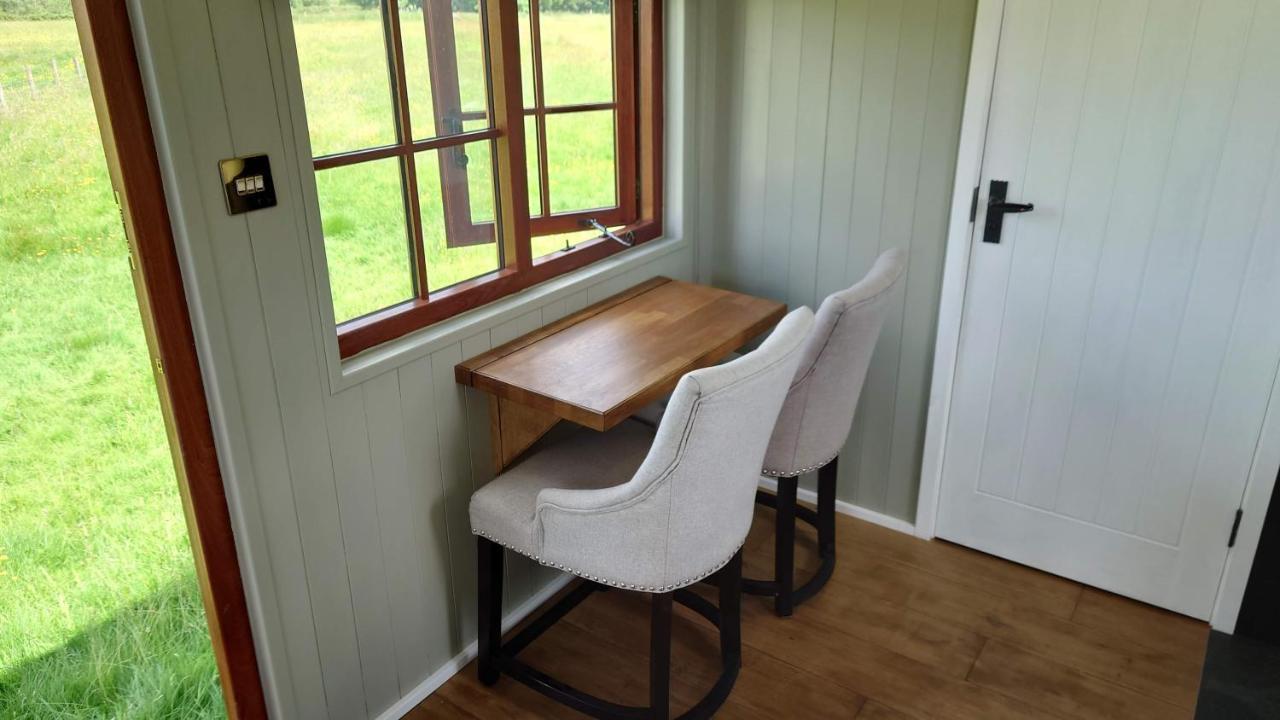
731 612
660 657
784 547
489 641
827 509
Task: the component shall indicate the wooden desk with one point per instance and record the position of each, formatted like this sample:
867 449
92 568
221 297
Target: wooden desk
603 363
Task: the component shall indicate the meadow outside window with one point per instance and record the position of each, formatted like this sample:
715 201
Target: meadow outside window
463 147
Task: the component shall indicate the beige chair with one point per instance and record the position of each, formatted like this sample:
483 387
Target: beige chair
815 422
641 509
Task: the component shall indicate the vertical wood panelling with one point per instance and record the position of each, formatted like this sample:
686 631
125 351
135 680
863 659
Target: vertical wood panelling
947 81
842 123
910 103
1217 53
432 553
1163 59
402 514
294 360
364 558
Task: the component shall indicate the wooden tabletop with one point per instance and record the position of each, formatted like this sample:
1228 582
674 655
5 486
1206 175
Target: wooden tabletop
598 366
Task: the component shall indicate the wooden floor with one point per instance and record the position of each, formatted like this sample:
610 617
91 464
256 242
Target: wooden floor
905 629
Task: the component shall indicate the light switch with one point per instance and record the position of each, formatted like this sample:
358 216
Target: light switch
246 182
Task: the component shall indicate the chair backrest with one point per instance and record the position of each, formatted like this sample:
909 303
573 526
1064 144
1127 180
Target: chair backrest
815 419
709 447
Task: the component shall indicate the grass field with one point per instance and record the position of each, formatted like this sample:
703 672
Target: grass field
100 615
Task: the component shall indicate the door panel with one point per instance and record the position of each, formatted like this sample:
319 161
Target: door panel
1114 365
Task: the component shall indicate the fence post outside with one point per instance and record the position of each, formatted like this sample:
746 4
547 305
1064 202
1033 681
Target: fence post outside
3 104
75 62
31 81
57 76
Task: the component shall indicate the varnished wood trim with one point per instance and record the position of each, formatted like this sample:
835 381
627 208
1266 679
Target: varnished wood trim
121 105
325 162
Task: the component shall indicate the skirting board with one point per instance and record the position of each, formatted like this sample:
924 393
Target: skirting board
451 668
845 508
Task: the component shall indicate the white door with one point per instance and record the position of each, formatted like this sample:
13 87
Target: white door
1119 343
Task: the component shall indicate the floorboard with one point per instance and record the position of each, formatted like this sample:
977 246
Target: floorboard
906 629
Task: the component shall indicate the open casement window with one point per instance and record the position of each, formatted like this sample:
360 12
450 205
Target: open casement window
465 149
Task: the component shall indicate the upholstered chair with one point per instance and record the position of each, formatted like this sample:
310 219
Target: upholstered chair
815 422
650 510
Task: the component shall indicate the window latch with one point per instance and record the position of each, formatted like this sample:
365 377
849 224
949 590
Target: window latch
453 126
627 239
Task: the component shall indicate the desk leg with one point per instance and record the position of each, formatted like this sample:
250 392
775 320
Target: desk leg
513 428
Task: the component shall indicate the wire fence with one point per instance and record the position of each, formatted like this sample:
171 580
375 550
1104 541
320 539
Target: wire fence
27 82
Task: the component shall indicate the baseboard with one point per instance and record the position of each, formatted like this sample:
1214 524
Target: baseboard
845 508
459 661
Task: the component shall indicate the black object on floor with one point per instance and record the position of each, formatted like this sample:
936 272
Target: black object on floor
1241 679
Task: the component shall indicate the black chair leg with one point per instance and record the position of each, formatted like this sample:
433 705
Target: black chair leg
660 656
731 613
784 547
827 509
489 630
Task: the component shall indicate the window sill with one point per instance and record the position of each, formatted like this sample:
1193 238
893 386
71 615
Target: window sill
415 345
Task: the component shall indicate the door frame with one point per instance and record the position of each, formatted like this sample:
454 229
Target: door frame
120 104
955 275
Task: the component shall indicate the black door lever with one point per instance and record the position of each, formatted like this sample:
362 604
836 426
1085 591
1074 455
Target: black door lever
997 208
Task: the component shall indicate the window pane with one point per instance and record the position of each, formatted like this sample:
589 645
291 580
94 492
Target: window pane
345 77
469 223
526 54
443 34
580 160
531 161
365 237
577 54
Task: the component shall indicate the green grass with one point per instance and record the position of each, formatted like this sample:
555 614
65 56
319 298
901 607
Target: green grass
100 614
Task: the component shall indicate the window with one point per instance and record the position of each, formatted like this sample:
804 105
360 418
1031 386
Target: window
466 149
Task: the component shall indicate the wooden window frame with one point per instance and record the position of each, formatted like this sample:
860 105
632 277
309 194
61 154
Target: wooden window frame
121 106
638 106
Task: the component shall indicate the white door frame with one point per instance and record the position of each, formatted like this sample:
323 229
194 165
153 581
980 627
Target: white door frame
955 275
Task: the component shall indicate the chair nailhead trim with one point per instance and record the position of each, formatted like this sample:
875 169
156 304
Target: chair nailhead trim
606 581
801 471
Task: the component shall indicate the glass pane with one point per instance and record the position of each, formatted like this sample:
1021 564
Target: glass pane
366 241
448 34
345 77
580 159
526 54
577 53
548 244
458 235
531 161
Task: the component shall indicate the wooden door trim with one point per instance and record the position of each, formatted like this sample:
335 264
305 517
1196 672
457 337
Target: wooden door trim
121 106
955 267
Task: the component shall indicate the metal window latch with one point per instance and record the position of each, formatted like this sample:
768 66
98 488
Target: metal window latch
453 126
627 239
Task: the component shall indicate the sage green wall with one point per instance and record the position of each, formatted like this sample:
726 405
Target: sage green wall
840 124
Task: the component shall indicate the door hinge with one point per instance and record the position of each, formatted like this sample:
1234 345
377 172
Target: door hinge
1235 528
973 206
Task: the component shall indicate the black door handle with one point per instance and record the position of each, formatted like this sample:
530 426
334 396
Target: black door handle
997 208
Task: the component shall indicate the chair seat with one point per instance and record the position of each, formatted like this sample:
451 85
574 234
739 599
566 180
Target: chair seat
569 457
